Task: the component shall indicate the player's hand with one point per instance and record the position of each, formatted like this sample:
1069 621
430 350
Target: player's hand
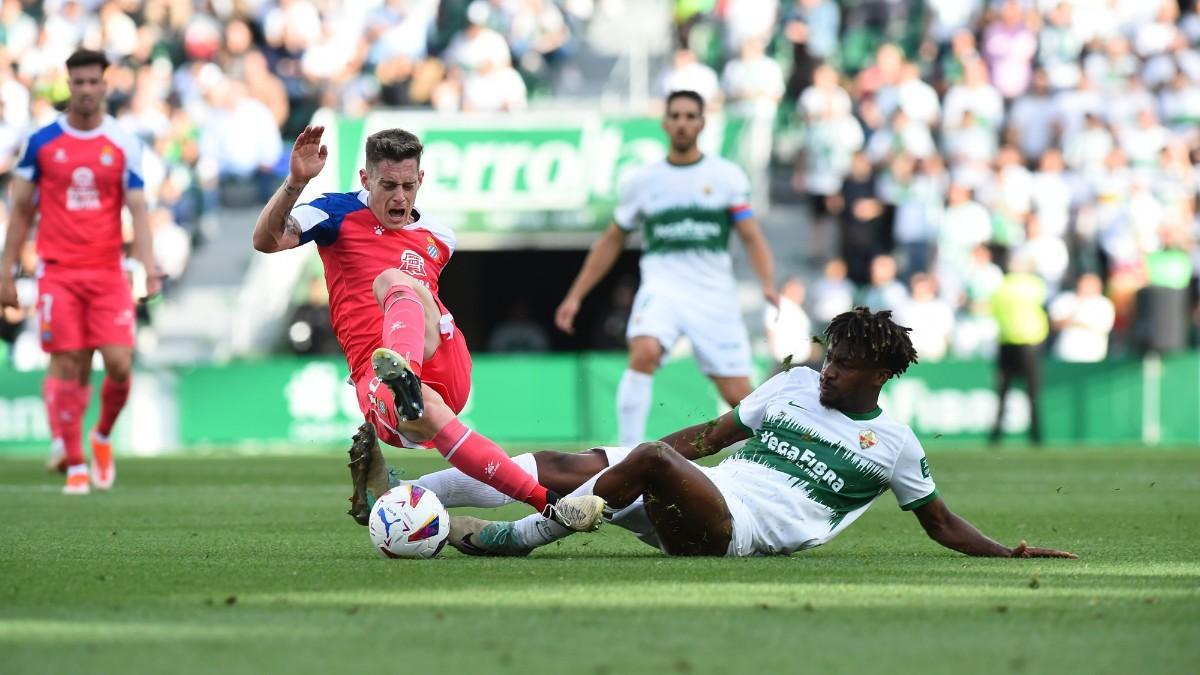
771 295
154 280
308 155
1024 550
564 316
8 292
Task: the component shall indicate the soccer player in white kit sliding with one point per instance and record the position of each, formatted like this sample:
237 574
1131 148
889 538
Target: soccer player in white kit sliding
686 205
819 452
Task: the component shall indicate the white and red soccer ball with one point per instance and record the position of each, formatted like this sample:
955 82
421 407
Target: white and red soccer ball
409 521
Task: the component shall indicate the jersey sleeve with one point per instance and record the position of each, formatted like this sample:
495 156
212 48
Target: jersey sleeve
27 165
321 219
911 480
739 195
134 176
750 412
627 215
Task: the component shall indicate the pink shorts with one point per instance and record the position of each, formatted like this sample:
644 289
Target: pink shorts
84 309
448 372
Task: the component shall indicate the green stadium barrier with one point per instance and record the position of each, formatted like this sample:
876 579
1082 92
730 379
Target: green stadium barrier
298 405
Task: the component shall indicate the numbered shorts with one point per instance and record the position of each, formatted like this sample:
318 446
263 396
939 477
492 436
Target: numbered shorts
84 309
448 372
711 321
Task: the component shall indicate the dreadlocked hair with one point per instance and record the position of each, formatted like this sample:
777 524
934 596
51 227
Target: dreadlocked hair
873 336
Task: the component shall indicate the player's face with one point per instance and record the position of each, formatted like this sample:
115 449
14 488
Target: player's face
846 380
393 187
88 89
683 123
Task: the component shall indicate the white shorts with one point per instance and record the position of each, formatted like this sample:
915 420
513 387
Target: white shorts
712 322
741 543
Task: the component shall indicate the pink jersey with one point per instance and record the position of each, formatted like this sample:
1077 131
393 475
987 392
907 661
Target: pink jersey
81 179
355 248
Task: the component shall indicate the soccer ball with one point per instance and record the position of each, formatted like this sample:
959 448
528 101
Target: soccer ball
409 521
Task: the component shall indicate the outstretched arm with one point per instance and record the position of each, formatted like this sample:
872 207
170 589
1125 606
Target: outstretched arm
276 229
707 438
948 529
759 253
598 262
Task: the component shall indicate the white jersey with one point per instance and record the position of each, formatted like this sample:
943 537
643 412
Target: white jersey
686 213
826 467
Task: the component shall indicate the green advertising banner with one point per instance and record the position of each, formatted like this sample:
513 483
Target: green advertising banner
534 173
298 405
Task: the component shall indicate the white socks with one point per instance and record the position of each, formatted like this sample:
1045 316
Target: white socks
455 488
536 530
634 395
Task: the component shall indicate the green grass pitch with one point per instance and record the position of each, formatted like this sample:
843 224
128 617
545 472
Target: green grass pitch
235 565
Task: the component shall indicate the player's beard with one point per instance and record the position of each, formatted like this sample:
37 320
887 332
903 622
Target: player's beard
86 107
683 143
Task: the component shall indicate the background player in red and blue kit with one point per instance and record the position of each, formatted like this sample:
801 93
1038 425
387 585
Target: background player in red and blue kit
76 174
383 258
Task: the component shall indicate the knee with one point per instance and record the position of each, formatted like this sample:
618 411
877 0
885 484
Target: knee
644 359
653 455
389 278
119 369
69 365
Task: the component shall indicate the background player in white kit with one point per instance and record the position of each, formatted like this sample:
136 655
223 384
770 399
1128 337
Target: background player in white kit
819 452
686 206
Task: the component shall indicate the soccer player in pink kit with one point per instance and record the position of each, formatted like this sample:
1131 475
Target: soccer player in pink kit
84 169
383 258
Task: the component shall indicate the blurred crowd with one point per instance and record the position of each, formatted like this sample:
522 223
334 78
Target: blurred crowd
941 145
217 88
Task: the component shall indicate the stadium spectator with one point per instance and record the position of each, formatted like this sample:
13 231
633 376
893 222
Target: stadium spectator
1031 123
861 220
1082 320
931 318
753 86
885 291
172 244
309 329
1009 46
477 44
240 140
787 326
832 293
688 73
493 87
811 26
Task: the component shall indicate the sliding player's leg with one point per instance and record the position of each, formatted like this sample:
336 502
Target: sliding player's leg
652 491
371 476
473 454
